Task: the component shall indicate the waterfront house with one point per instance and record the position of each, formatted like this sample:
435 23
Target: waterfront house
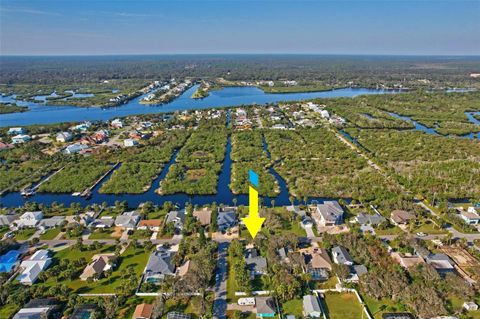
40 308
51 222
203 215
143 311
318 263
311 307
28 219
177 217
330 213
401 217
21 138
129 142
64 137
33 266
16 131
160 265
265 307
82 127
471 216
127 220
150 224
116 123
7 220
104 222
226 219
100 263
341 256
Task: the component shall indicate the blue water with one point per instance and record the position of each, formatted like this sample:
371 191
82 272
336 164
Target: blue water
8 260
42 114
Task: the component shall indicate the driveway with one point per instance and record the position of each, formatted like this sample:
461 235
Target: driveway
220 289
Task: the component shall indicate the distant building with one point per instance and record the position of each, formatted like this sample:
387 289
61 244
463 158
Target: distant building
256 264
471 216
318 263
7 220
129 142
16 131
32 267
441 262
226 219
407 261
74 148
370 220
51 222
116 123
5 146
177 217
311 307
64 137
401 217
21 138
470 306
398 315
104 222
330 213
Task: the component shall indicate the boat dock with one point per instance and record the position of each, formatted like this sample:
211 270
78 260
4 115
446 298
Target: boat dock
88 192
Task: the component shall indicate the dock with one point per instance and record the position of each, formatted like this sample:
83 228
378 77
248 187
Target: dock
27 191
88 192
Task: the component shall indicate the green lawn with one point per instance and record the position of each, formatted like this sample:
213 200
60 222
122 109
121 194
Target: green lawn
293 307
50 234
430 229
100 234
375 306
24 234
8 310
390 230
231 284
342 306
329 284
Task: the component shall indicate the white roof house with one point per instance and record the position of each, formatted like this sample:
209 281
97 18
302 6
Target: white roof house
127 220
33 266
21 138
16 130
64 137
117 123
29 219
129 142
74 148
311 307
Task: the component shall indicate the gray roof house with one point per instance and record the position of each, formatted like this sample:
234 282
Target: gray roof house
177 217
341 256
6 220
51 222
160 264
330 213
373 220
226 220
355 272
257 265
311 307
104 222
39 308
441 262
127 220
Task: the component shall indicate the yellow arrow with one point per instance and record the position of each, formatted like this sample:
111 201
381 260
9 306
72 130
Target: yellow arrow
253 222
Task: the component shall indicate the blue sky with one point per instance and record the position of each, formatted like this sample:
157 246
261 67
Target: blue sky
247 26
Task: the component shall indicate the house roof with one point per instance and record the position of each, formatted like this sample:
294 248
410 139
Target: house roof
150 223
374 219
6 220
330 210
97 266
407 261
265 305
204 215
226 218
359 270
318 258
440 262
311 304
341 254
161 262
143 310
127 219
176 216
183 269
258 263
401 216
52 221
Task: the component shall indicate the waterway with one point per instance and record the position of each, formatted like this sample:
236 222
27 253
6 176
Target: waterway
39 113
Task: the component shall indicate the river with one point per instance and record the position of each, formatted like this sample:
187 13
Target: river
39 113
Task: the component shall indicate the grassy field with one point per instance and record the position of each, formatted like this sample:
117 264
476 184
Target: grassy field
342 306
50 234
24 234
293 307
99 234
379 307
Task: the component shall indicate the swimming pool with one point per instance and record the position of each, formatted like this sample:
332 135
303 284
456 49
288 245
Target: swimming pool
8 261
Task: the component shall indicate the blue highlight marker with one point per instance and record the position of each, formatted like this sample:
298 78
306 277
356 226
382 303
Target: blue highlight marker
253 178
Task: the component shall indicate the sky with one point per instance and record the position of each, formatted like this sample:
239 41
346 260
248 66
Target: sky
91 27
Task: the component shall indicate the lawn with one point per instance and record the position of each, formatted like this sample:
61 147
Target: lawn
7 311
342 306
379 307
430 229
50 234
101 234
293 307
24 234
231 284
329 284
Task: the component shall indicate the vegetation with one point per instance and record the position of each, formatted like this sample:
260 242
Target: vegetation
131 178
11 108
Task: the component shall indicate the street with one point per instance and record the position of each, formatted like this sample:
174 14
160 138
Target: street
220 302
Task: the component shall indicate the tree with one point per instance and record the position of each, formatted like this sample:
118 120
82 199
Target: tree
110 306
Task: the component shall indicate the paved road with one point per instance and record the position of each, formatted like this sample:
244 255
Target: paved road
220 302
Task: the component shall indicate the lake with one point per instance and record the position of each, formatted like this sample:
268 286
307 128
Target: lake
39 113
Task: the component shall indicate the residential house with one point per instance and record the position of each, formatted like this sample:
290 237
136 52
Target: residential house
64 137
143 311
177 217
127 220
74 148
296 210
7 220
203 215
40 308
311 307
401 217
441 262
256 264
265 307
33 266
51 222
5 146
398 315
318 263
160 264
341 256
16 131
86 311
470 306
116 123
407 260
82 127
104 222
129 142
28 219
330 213
471 216
150 224
21 138
100 263
370 220
184 269
178 315
356 271
101 136
226 219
